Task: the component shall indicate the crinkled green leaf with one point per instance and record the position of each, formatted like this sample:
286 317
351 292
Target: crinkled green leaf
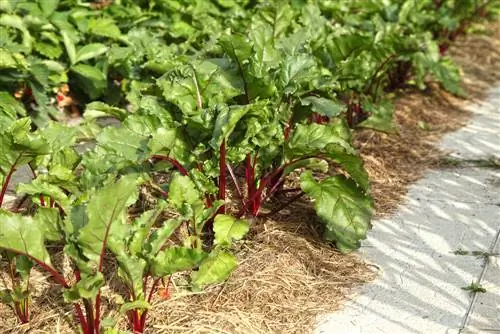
184 197
309 139
123 143
171 142
342 207
228 228
87 288
226 121
104 27
214 269
176 259
10 109
381 117
49 50
38 187
325 107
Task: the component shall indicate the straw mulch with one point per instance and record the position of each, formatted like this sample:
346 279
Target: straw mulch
287 276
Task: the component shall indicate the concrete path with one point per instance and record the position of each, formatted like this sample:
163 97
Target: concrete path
444 236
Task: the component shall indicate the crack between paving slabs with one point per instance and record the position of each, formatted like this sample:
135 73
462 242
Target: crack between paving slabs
481 276
457 201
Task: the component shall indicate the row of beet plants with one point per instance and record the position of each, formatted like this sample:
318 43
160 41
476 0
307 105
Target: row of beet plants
218 128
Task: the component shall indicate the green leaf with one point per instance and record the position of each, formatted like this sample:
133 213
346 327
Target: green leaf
132 272
8 60
265 56
123 143
104 27
106 212
17 22
201 84
50 221
48 6
23 267
49 50
381 117
342 207
351 163
70 46
310 138
448 75
140 229
92 80
23 235
10 109
58 136
176 259
86 288
98 109
171 142
297 70
214 269
226 121
183 196
158 237
311 163
38 187
331 141
228 228
90 51
322 106
135 305
19 146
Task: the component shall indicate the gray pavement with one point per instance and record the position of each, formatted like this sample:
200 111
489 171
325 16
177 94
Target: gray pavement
443 237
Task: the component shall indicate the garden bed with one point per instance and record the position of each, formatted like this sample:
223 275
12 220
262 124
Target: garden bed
287 275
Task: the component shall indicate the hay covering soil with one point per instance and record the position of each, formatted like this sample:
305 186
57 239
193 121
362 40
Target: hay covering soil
287 276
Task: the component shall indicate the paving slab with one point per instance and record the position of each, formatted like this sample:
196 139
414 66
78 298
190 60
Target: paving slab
21 175
481 137
468 185
420 249
485 313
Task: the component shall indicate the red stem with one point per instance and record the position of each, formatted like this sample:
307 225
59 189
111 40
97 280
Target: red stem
60 280
249 175
150 297
238 189
19 312
284 205
174 162
288 128
153 289
97 319
81 318
26 310
256 198
90 317
6 182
